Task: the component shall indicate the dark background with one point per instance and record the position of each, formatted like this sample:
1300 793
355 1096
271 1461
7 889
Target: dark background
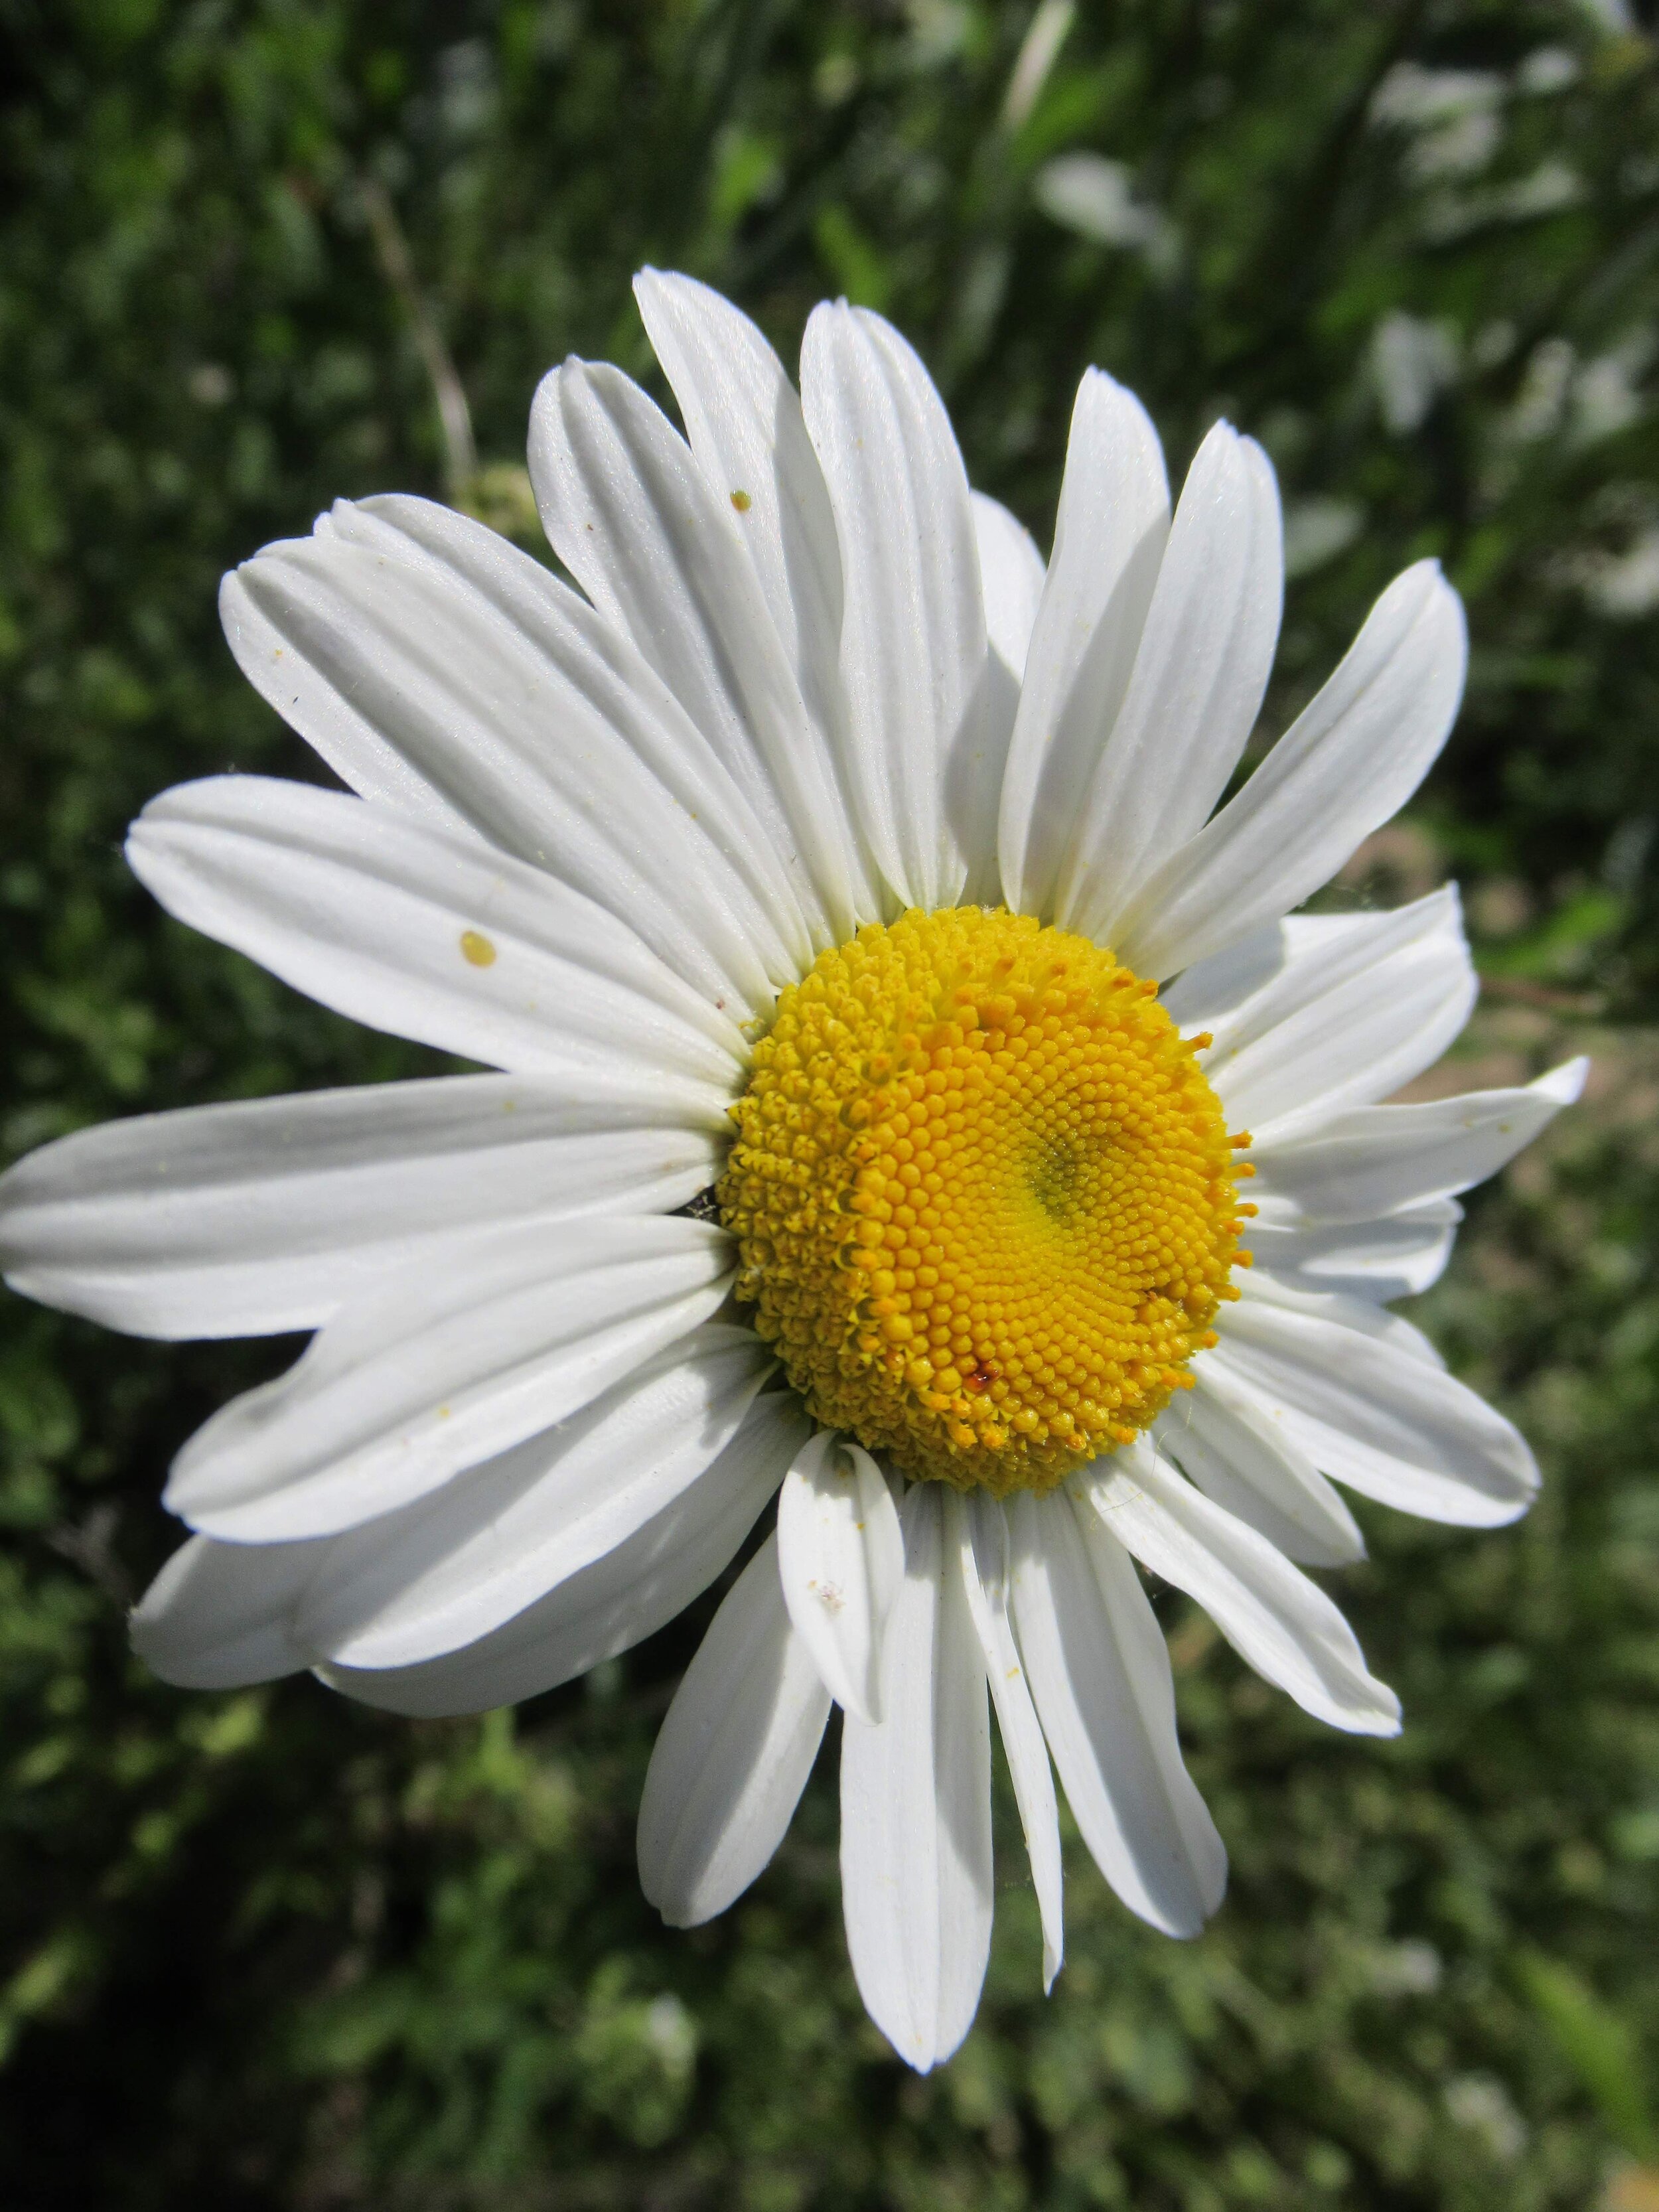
272 1951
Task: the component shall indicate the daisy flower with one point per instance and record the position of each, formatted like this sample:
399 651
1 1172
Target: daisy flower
909 1102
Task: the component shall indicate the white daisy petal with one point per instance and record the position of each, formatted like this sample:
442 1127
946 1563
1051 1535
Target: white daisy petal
1236 1454
1200 674
1261 1286
1348 763
262 1216
733 1755
216 1618
1380 1159
451 1568
616 691
1277 1620
431 937
842 1558
1109 537
915 1810
1010 573
1011 577
1239 994
1395 1257
616 1603
631 515
403 631
1358 1005
745 426
1373 1413
913 630
1214 993
976 1531
1099 1671
284 628
422 1378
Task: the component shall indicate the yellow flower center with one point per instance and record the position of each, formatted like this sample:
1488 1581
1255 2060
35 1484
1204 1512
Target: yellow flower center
983 1197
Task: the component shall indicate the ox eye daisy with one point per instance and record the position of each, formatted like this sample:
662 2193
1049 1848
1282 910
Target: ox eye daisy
923 1171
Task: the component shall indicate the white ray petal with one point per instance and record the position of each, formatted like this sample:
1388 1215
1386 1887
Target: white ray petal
401 629
1348 764
1200 674
912 645
456 1564
262 1216
1261 1286
1237 1454
1378 1160
1239 994
1373 1413
616 1602
976 1531
617 683
1277 1620
840 1557
632 516
1099 1671
1394 1257
745 426
1010 573
1012 576
1353 1006
420 1379
733 1755
1214 994
431 937
915 1811
1109 536
216 1618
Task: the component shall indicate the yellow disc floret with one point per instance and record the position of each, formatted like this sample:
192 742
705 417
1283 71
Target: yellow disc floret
983 1197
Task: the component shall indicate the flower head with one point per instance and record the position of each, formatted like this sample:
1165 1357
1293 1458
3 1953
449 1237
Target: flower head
983 1198
912 1104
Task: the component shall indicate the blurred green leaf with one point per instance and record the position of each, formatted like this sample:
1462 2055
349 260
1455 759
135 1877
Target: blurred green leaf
1600 2046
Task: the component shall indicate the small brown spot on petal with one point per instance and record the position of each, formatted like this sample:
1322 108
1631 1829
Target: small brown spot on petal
742 501
476 948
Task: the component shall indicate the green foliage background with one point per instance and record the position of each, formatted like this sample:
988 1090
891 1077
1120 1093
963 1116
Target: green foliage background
271 1950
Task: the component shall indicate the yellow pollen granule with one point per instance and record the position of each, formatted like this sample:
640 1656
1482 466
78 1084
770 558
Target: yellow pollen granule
983 1197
